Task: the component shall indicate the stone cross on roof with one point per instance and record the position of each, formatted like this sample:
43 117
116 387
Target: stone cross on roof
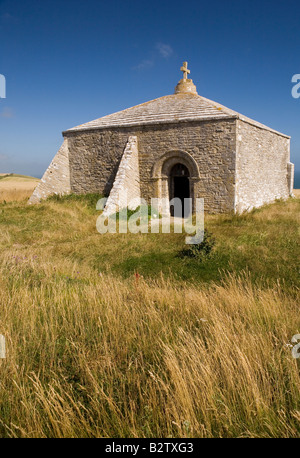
185 70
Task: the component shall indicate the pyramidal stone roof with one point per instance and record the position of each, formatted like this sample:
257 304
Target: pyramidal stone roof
183 106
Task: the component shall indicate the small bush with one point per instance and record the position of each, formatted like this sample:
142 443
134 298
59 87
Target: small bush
201 250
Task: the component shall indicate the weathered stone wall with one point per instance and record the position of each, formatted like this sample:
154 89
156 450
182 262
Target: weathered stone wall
262 166
95 157
210 143
56 179
239 166
126 187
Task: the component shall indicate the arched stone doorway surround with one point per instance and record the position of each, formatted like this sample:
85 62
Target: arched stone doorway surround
161 172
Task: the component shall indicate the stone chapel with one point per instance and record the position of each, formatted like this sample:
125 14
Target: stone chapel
180 145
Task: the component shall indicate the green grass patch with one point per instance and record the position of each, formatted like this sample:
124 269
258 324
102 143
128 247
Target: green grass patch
264 241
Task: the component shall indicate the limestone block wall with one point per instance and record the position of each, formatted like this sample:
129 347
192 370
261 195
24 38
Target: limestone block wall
261 166
210 143
126 186
95 156
56 179
240 166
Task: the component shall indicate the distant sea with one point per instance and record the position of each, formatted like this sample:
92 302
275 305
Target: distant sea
297 180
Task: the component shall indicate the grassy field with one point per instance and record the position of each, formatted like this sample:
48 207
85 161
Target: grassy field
14 187
118 336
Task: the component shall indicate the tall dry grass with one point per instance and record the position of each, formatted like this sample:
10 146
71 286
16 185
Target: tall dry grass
15 195
16 189
94 350
92 355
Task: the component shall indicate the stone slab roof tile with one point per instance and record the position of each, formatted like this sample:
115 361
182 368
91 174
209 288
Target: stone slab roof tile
179 107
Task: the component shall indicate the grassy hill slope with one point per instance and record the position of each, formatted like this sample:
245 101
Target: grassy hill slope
15 177
15 187
116 335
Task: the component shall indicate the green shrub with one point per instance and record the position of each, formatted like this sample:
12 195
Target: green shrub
201 250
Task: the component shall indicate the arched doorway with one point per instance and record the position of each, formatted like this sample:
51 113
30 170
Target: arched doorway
174 174
179 188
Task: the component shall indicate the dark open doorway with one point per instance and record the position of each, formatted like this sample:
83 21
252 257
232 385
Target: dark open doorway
179 184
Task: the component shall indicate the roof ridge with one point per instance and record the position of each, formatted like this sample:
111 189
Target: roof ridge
122 111
243 117
198 108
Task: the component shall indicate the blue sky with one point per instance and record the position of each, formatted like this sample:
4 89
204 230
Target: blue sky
68 62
